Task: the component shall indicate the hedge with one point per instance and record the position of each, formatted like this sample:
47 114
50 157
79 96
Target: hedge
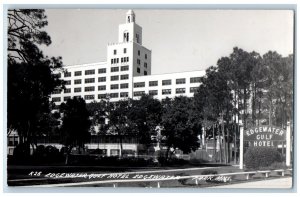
261 157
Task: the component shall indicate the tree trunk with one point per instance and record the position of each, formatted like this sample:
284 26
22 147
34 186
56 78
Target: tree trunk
220 145
213 127
68 155
235 144
270 112
254 105
121 145
224 140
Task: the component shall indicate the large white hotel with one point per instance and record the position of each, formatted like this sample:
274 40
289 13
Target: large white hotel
126 74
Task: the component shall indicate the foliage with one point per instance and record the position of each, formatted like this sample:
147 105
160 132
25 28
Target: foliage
25 33
177 126
145 116
31 77
75 123
257 157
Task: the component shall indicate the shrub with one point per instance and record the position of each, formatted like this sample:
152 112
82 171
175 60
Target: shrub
261 157
207 172
182 181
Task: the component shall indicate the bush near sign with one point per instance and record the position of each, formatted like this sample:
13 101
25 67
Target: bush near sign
267 136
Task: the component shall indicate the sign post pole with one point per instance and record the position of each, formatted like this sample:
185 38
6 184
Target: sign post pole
288 144
241 148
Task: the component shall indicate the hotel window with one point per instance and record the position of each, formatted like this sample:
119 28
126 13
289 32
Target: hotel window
124 77
124 85
77 81
101 96
145 65
112 61
124 94
56 92
101 87
68 90
115 52
101 70
166 91
56 99
193 89
67 74
138 61
138 70
101 79
124 50
139 52
180 90
89 80
68 82
78 73
66 98
145 72
114 86
195 80
114 69
58 75
127 59
153 92
89 89
139 84
166 82
124 68
114 78
153 83
89 72
145 56
138 93
180 81
77 89
116 60
89 97
114 95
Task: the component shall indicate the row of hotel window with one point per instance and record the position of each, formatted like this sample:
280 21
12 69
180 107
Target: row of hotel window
116 60
125 94
136 85
92 71
167 82
122 86
125 50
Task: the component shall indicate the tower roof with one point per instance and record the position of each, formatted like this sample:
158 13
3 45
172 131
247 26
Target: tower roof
130 12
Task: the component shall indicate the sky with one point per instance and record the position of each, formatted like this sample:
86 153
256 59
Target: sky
180 40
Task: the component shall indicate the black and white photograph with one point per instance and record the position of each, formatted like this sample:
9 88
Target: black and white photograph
150 98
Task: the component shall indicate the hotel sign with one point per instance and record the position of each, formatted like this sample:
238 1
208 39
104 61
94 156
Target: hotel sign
264 136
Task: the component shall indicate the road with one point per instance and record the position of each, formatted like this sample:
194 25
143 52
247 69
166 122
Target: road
280 183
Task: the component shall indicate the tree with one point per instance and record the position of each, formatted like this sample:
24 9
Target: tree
177 126
31 77
75 124
25 33
118 120
145 116
279 87
214 100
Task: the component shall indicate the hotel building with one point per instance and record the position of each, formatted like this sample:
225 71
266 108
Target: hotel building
126 74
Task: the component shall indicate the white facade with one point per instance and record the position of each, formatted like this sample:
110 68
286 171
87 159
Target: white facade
126 74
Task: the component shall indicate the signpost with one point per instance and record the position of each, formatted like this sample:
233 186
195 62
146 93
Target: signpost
265 136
